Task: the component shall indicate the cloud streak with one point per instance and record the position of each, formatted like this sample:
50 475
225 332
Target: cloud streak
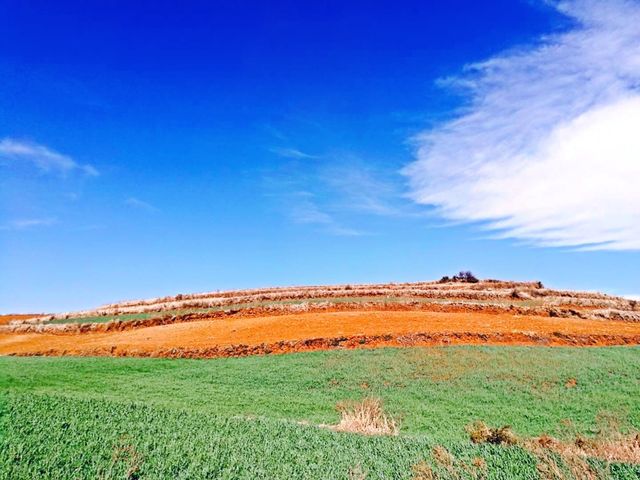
547 149
43 158
361 188
304 210
292 153
140 204
28 223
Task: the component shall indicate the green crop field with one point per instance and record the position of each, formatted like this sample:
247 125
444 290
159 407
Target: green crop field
258 417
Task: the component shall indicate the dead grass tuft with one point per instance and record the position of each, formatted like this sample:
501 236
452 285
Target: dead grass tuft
422 471
619 449
575 454
480 432
442 456
366 417
550 452
450 466
476 469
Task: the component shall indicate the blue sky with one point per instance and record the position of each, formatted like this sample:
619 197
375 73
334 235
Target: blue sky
150 148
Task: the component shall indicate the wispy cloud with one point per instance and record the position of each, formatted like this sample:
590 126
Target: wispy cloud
339 191
140 204
304 210
43 158
548 148
363 189
28 223
291 153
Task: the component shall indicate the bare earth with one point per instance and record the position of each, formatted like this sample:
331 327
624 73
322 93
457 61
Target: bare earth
245 335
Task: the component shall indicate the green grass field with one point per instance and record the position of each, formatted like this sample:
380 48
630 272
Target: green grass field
240 418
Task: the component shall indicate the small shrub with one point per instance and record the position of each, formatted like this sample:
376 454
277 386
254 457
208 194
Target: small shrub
461 277
465 277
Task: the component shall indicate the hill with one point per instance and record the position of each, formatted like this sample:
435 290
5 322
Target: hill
280 320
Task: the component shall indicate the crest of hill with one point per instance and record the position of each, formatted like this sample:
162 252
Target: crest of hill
457 289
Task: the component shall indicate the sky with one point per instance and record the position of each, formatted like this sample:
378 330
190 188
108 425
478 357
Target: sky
151 148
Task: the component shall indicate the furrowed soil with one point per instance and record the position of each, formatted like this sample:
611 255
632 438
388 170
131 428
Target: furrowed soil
246 335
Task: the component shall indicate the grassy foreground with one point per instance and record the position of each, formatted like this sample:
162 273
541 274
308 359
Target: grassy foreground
239 418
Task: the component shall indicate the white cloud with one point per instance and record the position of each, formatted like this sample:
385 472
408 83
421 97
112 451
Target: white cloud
548 148
292 153
27 223
44 158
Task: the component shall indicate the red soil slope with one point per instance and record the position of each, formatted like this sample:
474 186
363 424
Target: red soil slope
241 335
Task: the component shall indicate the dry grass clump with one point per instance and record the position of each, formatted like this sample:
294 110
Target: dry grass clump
549 451
575 455
422 471
621 448
480 432
366 417
451 467
442 456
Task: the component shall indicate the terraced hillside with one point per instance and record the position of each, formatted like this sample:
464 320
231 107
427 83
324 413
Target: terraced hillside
279 320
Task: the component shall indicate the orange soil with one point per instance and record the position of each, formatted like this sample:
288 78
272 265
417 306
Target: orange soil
307 331
5 319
